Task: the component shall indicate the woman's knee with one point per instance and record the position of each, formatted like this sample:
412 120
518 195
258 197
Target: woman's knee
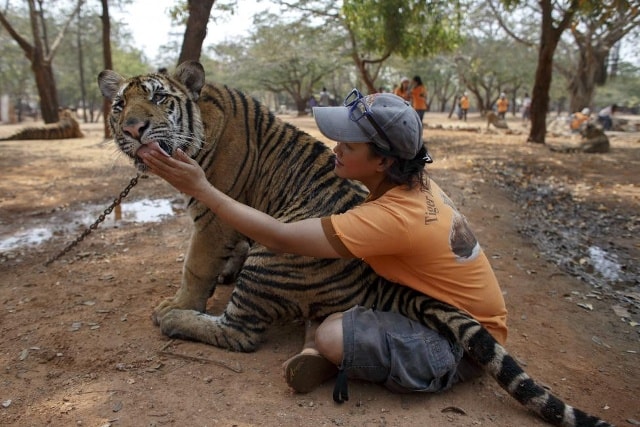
329 338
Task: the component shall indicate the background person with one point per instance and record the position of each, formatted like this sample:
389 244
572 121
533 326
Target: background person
419 96
579 118
502 106
324 98
403 91
605 116
464 106
526 108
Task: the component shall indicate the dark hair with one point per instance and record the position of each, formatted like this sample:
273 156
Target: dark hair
418 80
409 172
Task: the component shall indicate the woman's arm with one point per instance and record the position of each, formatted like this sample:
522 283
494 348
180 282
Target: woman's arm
304 237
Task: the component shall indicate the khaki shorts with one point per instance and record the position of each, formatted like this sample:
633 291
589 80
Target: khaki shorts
402 354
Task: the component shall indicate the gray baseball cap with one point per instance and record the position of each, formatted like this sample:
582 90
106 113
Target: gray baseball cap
393 115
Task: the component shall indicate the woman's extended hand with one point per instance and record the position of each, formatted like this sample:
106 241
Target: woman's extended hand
182 172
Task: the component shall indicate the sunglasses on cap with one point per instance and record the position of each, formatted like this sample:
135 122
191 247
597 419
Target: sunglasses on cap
358 109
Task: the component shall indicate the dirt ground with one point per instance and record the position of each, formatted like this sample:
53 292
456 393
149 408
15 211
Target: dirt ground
78 347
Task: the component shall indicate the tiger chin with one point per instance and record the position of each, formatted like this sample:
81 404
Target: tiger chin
261 161
65 128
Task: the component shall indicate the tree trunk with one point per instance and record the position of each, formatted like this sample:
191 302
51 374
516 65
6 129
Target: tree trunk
540 94
196 31
108 62
40 63
83 90
42 70
587 75
549 37
365 77
46 85
301 106
43 23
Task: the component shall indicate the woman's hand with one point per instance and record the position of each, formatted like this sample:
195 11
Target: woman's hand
182 172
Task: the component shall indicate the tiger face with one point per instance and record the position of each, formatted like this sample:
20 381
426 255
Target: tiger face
154 109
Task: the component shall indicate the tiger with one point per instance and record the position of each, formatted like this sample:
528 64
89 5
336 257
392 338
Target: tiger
593 140
65 128
269 164
493 119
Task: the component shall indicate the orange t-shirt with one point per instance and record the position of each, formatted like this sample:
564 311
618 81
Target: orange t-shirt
503 105
403 93
419 97
464 102
418 239
578 120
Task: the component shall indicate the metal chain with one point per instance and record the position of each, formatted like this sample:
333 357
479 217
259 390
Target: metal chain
97 222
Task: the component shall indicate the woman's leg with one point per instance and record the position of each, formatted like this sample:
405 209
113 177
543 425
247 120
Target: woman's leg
400 353
381 347
308 369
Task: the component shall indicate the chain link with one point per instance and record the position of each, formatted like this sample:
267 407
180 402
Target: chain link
97 222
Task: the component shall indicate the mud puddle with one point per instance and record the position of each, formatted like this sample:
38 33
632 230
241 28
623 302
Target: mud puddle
35 231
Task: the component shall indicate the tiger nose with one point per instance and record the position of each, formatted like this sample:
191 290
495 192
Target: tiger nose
135 128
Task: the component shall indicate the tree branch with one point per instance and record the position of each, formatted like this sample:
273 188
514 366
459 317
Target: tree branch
24 44
63 30
504 26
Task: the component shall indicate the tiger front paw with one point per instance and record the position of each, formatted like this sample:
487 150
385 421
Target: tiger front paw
187 324
180 301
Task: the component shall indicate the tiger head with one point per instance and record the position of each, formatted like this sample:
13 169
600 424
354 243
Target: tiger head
155 108
591 130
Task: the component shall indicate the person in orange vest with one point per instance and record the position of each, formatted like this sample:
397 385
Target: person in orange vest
503 106
578 118
419 96
464 106
403 91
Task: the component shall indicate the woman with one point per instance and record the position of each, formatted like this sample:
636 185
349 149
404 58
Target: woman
404 91
464 106
419 96
408 231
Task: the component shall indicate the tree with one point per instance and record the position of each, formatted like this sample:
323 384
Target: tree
439 76
79 46
554 20
107 59
596 27
15 77
282 57
196 30
485 70
375 30
550 32
596 32
41 55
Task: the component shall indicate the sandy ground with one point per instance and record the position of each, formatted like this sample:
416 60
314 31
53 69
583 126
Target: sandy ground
77 345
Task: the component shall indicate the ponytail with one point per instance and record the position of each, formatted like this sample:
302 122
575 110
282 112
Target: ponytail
408 172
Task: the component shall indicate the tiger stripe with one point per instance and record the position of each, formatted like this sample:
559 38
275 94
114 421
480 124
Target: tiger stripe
257 159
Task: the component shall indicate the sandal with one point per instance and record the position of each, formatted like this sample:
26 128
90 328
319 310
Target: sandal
304 372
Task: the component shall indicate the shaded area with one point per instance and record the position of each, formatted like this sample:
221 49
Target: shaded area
585 238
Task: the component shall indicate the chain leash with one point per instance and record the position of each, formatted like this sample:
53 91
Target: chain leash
97 222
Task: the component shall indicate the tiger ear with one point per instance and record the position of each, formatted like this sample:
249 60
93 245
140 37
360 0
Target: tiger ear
109 82
191 74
